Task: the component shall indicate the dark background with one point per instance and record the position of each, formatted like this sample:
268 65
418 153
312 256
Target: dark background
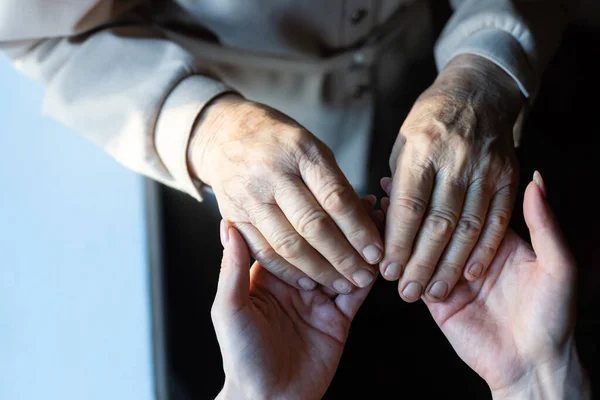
395 349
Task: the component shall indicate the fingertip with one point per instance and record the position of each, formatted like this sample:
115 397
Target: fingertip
411 291
390 271
469 277
473 271
235 244
535 207
386 184
431 299
370 199
224 232
537 178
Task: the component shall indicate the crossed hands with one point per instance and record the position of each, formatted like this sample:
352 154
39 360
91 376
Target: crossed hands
513 325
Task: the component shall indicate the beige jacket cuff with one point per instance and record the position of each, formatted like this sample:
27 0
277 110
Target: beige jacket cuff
497 46
176 122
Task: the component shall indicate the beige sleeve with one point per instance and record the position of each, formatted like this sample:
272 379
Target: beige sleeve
115 78
520 36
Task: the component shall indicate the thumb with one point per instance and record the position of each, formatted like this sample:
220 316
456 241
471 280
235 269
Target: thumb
234 280
547 240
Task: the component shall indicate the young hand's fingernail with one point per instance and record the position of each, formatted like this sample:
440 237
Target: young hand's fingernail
438 290
537 178
224 233
392 271
372 254
413 291
475 270
363 277
342 286
386 184
307 283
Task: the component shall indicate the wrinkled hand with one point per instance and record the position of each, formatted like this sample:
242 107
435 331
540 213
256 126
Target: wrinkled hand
282 189
277 341
454 180
514 326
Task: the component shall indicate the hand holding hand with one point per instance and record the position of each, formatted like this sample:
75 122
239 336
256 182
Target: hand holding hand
282 189
514 326
277 341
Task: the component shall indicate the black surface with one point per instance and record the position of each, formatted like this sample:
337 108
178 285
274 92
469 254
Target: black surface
394 349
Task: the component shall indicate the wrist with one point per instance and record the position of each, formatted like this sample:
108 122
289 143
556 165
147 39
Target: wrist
206 129
561 377
483 85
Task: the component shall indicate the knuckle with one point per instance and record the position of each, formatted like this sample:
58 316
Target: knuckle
294 138
458 183
481 186
440 225
422 165
324 276
422 269
337 199
423 141
399 249
308 152
313 223
414 206
287 246
345 263
259 213
452 268
469 228
265 256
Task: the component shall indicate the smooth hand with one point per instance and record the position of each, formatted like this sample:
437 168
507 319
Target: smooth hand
514 326
277 341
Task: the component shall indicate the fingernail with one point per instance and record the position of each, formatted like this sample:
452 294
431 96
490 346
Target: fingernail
386 183
224 233
342 286
413 291
475 270
393 271
307 283
438 290
537 178
363 277
372 254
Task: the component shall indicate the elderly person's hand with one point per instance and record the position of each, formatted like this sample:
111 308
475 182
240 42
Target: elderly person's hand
282 189
277 341
454 178
514 326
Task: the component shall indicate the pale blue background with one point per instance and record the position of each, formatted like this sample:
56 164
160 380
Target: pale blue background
74 299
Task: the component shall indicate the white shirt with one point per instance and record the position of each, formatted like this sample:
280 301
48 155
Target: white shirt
133 76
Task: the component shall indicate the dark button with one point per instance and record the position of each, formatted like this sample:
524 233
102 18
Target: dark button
358 15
